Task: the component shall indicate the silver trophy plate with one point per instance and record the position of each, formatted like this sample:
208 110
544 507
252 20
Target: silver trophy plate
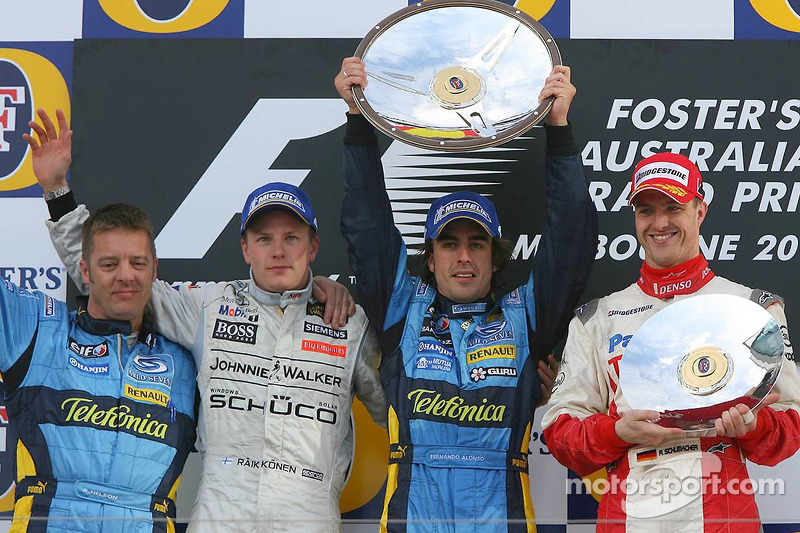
456 74
700 356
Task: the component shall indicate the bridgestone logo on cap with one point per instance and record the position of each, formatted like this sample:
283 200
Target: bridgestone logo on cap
662 170
460 205
270 196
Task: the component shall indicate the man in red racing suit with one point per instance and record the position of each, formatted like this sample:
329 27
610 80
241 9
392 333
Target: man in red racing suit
662 479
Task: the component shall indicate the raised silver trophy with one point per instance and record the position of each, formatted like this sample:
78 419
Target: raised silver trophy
700 356
456 74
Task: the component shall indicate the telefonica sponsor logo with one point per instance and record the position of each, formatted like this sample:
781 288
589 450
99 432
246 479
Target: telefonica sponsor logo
430 402
86 411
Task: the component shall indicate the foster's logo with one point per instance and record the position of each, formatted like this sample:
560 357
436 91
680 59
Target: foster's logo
32 278
456 83
26 79
153 16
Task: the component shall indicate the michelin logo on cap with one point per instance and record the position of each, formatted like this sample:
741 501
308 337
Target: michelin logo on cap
278 195
272 196
460 205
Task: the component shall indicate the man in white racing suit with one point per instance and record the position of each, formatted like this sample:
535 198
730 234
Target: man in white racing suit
589 425
276 381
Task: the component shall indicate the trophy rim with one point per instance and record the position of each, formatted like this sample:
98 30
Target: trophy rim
702 416
462 144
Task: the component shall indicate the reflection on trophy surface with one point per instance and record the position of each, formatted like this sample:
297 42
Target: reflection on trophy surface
455 75
696 358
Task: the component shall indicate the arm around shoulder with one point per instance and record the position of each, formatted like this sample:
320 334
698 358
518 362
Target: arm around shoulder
367 381
65 227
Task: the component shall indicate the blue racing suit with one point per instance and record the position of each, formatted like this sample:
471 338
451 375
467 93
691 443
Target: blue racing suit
105 421
461 379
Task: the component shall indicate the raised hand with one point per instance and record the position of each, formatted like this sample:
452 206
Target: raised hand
52 152
353 72
559 86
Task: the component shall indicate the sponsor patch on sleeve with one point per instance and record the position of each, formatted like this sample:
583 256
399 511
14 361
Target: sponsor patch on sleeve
422 288
513 297
49 306
765 299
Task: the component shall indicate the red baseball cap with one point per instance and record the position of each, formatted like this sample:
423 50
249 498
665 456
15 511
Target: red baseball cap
672 174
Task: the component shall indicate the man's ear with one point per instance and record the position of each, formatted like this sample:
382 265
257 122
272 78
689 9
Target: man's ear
85 272
702 211
244 249
312 255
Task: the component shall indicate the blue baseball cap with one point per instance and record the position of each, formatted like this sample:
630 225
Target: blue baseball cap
278 195
462 204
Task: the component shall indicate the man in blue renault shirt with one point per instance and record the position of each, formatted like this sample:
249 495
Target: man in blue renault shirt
103 407
460 366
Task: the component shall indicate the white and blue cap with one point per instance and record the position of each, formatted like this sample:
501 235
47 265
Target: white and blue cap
278 195
462 204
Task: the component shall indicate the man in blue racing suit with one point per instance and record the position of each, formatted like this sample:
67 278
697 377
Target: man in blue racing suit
103 406
460 366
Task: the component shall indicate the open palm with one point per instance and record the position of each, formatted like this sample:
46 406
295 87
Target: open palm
52 152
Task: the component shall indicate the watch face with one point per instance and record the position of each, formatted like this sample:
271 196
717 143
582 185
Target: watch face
452 75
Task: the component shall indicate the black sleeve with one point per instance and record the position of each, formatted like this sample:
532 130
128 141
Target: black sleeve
374 243
62 205
568 244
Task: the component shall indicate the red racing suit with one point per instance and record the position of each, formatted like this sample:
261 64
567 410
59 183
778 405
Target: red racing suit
686 485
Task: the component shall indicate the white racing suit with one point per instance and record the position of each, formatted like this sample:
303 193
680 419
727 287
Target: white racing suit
707 472
276 384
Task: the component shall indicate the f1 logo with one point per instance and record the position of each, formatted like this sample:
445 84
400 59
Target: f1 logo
256 140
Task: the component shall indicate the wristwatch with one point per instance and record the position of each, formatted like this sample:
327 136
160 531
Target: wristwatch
56 193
